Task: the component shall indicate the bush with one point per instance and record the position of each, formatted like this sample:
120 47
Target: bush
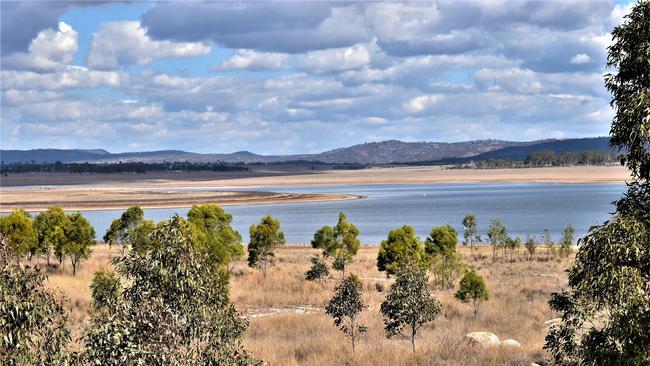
472 290
106 289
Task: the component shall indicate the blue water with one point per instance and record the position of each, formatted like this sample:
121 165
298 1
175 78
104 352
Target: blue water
525 208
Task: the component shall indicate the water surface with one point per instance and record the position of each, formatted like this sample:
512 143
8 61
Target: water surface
523 208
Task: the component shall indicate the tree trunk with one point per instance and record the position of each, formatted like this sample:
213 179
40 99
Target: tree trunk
264 266
74 266
413 332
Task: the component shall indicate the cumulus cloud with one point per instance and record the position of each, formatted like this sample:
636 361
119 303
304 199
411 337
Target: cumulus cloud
253 60
354 72
50 50
126 42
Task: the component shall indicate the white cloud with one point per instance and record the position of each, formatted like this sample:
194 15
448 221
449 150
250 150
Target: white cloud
50 50
581 58
253 60
126 42
70 77
336 59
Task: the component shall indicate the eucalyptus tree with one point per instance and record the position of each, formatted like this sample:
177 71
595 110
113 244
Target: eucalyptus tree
568 236
606 310
265 238
445 263
470 233
472 290
340 242
80 240
401 247
121 229
51 226
497 234
409 304
345 307
214 235
174 308
17 233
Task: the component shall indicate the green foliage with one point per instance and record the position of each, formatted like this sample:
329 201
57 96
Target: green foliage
214 236
106 289
264 239
18 234
446 264
80 240
174 309
409 304
318 270
340 243
606 310
402 246
442 241
140 236
630 88
446 269
51 226
568 236
497 235
512 245
345 307
470 231
33 323
472 290
121 230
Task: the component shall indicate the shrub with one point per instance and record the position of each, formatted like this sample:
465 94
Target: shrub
472 290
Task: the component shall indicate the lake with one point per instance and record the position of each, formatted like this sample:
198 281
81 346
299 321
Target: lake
525 208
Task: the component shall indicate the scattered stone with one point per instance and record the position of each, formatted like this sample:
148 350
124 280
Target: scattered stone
510 343
486 339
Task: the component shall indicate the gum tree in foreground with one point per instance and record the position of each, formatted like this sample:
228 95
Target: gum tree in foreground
606 310
174 308
409 304
345 307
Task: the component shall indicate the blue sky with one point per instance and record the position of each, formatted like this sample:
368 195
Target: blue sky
296 77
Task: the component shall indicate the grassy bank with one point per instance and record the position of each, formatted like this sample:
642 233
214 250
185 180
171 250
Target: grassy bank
288 325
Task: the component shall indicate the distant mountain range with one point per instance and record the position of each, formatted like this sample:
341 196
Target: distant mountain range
374 153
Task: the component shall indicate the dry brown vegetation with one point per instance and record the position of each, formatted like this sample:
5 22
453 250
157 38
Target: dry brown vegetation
289 327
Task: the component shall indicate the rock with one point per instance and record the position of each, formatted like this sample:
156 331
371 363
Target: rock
552 322
534 364
510 343
486 339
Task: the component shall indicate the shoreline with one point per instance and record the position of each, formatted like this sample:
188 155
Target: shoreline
252 198
184 190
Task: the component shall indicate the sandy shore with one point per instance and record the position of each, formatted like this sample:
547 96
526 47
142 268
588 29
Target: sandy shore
182 190
118 198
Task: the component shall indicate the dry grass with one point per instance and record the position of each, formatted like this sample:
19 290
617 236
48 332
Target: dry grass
289 327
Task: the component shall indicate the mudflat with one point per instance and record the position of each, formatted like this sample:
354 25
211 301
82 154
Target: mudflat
118 191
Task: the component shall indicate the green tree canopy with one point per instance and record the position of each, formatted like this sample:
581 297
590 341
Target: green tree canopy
441 241
409 304
213 235
341 242
345 307
402 246
472 290
81 239
265 238
51 226
17 232
606 310
497 234
318 270
174 309
33 322
121 229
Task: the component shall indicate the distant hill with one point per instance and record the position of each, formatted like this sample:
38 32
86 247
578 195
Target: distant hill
557 146
374 153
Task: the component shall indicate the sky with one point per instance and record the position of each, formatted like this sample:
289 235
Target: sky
300 77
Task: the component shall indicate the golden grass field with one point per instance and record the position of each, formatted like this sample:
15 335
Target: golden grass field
288 325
